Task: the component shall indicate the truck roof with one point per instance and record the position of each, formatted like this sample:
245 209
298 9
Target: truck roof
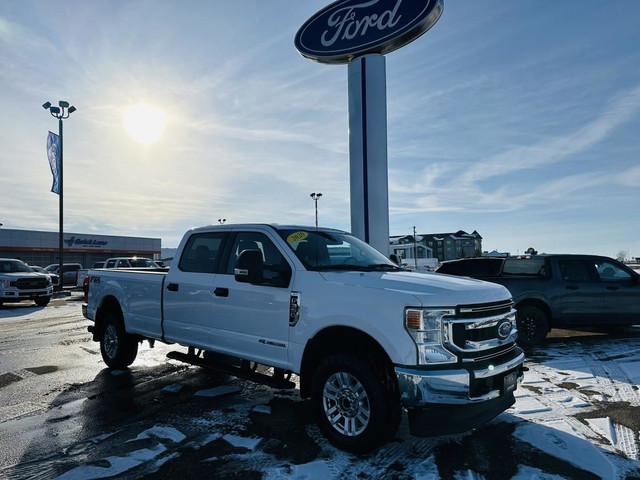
275 226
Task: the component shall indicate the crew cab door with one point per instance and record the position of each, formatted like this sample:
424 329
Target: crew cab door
581 292
252 319
188 291
621 291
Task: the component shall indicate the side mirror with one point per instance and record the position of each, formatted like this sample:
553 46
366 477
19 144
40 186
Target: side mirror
395 259
249 267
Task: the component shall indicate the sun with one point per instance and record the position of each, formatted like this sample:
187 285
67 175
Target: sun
144 122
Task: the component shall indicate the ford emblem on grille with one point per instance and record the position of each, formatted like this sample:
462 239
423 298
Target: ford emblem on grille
504 329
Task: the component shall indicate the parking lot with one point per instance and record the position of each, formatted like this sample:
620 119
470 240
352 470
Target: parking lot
63 415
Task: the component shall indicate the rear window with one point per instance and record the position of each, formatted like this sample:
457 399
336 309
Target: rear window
524 266
473 267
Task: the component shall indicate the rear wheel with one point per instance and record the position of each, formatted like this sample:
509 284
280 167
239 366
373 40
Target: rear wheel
118 348
533 326
356 409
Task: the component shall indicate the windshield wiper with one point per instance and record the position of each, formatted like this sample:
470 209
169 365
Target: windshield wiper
384 267
340 266
359 268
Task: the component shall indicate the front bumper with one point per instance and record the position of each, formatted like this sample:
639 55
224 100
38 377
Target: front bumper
461 398
16 295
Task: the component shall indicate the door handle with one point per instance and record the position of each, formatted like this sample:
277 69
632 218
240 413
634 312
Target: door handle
572 287
173 287
611 287
221 292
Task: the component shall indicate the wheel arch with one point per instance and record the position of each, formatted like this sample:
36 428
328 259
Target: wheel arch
334 340
535 302
109 305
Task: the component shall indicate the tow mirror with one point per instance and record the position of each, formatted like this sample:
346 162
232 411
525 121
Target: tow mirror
395 259
249 267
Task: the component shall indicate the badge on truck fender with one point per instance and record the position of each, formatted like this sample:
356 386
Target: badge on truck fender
294 308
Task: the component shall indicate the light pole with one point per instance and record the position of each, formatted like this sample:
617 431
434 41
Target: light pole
316 197
62 111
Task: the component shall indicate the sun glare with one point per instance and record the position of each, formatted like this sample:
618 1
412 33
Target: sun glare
144 122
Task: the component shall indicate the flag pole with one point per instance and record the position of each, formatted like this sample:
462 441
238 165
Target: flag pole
61 226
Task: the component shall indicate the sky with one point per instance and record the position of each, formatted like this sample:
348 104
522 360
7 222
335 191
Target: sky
520 120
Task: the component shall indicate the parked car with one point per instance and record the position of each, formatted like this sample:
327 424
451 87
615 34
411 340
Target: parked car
70 272
55 279
566 291
19 282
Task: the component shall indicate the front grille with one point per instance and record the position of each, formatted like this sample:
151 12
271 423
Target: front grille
473 332
31 283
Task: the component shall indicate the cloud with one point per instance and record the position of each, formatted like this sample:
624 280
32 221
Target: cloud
556 149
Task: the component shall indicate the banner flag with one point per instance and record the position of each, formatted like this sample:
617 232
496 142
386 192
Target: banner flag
53 154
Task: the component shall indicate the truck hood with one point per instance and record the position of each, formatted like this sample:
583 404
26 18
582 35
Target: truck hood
16 275
431 289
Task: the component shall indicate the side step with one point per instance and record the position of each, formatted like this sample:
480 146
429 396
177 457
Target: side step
277 380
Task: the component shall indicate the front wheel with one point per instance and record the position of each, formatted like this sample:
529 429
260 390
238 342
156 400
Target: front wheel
118 348
533 326
355 409
43 302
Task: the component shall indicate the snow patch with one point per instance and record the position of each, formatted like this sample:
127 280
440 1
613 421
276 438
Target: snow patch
248 443
574 450
217 391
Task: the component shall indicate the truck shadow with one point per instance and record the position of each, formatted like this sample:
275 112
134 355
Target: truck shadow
9 310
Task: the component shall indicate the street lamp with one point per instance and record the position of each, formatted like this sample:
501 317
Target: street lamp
316 197
62 111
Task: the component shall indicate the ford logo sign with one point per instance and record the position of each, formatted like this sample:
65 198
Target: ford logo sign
347 29
504 329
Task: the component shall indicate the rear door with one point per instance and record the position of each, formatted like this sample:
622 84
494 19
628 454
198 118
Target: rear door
252 320
188 291
580 292
621 292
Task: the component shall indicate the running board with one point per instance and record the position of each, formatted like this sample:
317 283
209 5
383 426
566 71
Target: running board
277 380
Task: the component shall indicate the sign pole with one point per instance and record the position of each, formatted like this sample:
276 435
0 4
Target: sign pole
368 150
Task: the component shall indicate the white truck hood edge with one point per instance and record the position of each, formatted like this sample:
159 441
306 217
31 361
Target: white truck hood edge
430 288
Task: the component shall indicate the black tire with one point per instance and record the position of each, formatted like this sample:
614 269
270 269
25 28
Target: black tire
355 408
118 348
43 302
533 326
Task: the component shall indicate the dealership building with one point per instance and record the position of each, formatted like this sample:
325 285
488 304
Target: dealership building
42 248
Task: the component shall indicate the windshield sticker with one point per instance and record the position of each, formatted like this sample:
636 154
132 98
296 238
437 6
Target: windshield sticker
297 237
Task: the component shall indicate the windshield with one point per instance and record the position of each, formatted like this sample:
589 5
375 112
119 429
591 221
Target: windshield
14 266
320 250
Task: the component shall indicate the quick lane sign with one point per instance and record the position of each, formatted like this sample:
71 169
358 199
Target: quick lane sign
347 29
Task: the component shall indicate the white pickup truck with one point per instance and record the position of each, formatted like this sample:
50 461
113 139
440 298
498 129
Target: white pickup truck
366 338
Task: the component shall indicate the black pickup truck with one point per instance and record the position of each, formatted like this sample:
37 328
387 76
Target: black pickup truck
561 291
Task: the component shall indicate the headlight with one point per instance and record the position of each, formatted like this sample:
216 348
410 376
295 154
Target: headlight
425 327
5 282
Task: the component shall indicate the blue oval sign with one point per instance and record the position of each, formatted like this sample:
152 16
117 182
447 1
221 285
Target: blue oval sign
347 29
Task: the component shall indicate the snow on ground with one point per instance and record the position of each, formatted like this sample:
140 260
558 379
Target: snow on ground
576 409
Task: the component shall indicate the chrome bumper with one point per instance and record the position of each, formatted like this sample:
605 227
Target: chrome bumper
456 387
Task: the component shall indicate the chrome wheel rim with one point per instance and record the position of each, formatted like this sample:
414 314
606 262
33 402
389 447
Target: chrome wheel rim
346 404
110 341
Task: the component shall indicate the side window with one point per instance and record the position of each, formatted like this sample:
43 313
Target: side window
610 272
276 271
110 264
202 253
574 271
